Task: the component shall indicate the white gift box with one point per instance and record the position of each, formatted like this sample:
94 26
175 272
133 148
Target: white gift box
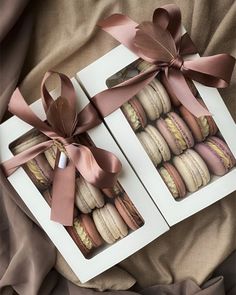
104 258
94 77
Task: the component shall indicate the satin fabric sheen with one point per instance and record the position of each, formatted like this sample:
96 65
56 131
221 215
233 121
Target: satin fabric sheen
193 248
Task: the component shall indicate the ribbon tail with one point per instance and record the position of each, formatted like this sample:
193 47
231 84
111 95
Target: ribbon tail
116 25
97 166
11 165
179 86
213 71
63 194
111 99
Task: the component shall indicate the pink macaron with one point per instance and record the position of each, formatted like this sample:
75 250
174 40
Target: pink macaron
173 180
216 154
135 114
176 133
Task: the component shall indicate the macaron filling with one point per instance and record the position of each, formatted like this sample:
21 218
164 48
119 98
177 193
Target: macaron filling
224 157
169 182
131 115
204 126
83 234
180 142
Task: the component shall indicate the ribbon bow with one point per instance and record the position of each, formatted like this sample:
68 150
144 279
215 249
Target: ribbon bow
160 42
97 166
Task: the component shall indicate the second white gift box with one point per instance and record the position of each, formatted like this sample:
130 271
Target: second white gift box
94 79
109 255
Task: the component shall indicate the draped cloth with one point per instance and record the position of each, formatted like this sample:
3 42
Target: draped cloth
58 34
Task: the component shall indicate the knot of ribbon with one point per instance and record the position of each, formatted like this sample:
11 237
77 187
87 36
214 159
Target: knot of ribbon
97 166
161 43
158 42
176 62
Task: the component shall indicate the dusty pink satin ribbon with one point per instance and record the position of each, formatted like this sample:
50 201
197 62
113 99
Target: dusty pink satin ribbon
97 166
160 43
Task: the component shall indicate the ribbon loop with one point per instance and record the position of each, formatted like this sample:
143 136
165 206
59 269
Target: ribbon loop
160 43
99 167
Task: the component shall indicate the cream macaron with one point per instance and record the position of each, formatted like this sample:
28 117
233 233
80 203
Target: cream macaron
154 99
154 145
193 169
87 196
109 223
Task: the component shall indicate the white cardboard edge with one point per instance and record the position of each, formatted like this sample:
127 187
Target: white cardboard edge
85 269
174 211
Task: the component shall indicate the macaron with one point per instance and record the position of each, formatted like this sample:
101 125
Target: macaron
87 196
114 191
154 99
192 169
85 234
201 127
38 168
109 223
170 91
135 114
154 144
173 180
48 198
176 133
216 154
128 212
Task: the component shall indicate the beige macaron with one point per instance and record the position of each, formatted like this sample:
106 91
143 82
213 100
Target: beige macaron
87 196
193 169
109 223
154 99
154 145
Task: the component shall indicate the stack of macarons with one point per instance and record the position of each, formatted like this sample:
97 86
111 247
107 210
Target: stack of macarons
100 216
111 215
184 149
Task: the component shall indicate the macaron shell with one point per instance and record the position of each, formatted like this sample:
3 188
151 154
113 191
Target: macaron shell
135 114
183 128
40 172
170 139
212 158
177 179
150 102
192 123
211 123
128 212
102 227
91 230
162 94
139 111
193 169
160 142
87 196
185 171
74 235
223 146
116 224
197 161
150 147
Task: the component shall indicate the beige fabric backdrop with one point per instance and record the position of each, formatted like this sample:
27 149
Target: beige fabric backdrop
65 38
